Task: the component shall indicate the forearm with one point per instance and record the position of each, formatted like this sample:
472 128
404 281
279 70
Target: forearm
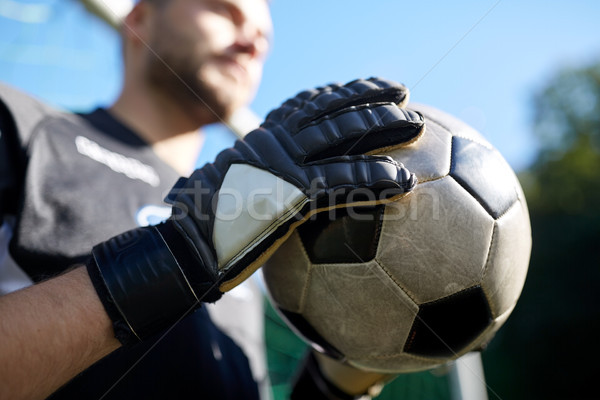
49 333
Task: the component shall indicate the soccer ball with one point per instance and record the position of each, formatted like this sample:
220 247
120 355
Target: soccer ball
419 282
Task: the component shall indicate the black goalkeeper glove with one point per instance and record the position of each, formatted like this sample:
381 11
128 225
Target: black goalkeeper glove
230 216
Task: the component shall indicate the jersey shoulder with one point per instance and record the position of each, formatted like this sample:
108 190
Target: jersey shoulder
23 112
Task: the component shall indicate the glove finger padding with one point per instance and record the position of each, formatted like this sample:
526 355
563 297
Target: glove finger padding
351 179
359 130
309 105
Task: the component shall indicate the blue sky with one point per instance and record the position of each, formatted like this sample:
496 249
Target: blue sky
479 60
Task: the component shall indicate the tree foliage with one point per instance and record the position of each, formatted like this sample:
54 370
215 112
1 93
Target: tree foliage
565 177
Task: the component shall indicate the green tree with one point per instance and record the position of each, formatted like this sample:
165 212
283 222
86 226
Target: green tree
549 347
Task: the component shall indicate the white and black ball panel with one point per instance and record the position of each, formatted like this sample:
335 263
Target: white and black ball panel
289 267
429 157
488 334
342 236
506 269
436 240
484 174
337 297
444 327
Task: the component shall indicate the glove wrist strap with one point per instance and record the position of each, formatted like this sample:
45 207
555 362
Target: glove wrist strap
140 283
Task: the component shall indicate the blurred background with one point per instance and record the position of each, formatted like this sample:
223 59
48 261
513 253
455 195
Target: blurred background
526 74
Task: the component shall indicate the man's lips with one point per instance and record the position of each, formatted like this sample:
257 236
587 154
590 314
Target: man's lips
234 67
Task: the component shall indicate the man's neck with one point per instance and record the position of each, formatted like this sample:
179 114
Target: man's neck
174 135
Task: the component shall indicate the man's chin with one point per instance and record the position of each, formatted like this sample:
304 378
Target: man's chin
231 101
233 88
220 98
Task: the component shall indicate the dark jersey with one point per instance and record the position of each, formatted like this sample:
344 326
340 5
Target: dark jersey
69 181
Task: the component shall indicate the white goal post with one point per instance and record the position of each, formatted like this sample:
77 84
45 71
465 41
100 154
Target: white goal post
467 378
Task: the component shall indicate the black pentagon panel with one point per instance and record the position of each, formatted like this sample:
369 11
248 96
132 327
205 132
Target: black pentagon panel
444 327
485 174
347 237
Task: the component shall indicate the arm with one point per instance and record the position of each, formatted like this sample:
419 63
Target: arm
49 333
144 280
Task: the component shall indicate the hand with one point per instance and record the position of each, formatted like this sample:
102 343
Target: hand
230 216
322 377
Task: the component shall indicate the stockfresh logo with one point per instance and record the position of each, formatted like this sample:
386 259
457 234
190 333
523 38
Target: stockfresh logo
127 166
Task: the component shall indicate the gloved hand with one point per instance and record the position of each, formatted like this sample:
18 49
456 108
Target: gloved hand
322 378
230 216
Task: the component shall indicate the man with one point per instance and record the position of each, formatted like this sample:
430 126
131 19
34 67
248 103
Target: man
71 182
187 63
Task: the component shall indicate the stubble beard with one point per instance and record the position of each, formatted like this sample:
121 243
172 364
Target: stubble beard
176 72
